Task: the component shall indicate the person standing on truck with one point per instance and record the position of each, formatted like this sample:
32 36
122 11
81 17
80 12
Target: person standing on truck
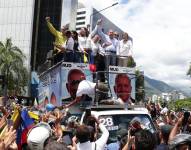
110 44
67 47
125 50
60 37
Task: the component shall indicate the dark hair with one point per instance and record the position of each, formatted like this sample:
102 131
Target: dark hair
83 133
92 132
86 30
186 117
91 122
68 33
144 139
53 144
75 35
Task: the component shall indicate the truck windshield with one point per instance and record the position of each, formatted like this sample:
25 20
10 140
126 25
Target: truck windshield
116 123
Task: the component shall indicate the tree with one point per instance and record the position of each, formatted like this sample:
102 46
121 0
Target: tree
139 84
189 71
179 104
13 68
130 62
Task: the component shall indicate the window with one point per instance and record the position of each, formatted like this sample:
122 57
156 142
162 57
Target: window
78 29
80 18
118 122
80 23
80 13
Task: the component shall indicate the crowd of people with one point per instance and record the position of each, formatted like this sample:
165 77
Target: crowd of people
22 128
93 47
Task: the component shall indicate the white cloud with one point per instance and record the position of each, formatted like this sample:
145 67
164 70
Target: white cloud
161 31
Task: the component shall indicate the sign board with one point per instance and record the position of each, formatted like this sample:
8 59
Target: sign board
54 85
58 85
119 74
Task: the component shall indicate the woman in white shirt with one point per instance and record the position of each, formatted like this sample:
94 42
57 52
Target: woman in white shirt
67 47
124 50
84 42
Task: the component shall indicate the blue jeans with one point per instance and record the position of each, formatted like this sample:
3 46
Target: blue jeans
69 57
78 57
110 59
90 57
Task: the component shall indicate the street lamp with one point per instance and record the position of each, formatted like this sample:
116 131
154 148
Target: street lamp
99 12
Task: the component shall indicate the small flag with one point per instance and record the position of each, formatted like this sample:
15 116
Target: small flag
85 58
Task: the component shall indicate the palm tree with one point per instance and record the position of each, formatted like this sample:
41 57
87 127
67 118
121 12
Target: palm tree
12 67
189 71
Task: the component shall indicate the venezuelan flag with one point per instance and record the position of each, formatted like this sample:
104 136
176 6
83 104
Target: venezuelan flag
26 124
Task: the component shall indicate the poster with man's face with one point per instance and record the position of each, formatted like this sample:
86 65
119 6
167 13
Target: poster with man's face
122 82
72 73
61 82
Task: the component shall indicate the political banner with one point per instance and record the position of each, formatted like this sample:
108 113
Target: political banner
122 82
49 87
71 74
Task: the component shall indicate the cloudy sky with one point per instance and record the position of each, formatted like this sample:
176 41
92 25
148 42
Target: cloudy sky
161 32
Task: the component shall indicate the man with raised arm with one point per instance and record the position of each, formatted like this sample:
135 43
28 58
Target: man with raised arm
60 36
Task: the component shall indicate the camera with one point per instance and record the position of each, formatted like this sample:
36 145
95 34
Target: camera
132 131
186 117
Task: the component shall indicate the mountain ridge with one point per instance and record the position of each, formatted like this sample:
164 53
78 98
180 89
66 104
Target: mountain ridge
153 86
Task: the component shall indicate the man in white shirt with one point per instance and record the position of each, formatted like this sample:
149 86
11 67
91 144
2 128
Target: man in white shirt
86 87
124 50
83 136
110 44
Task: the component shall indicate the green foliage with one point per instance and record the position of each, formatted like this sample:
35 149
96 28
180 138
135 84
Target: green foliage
179 104
131 63
140 93
12 66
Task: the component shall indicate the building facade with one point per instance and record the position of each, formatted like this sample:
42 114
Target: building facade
17 23
42 39
69 9
89 16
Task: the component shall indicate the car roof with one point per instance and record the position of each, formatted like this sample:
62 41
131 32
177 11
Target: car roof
118 112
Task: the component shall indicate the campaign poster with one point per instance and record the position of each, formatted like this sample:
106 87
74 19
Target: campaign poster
71 74
49 87
120 86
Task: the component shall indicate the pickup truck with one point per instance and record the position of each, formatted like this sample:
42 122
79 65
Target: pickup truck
117 118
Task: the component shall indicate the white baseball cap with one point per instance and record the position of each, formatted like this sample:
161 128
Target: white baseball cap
38 135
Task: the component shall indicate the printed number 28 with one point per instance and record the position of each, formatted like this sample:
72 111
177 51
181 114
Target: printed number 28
106 121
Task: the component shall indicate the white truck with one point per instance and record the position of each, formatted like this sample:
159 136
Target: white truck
116 118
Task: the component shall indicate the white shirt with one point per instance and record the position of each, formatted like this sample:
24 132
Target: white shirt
84 43
119 101
86 87
96 48
100 143
106 39
125 48
69 44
